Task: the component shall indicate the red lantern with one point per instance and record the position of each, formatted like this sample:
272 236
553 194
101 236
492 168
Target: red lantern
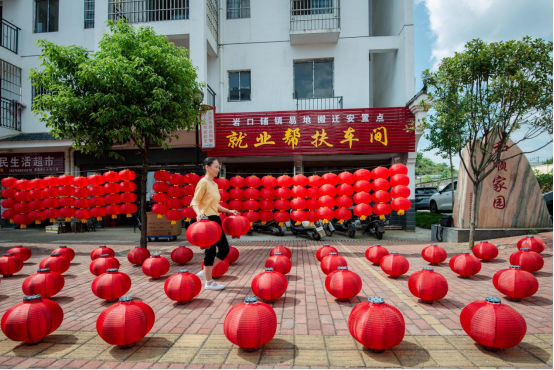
343 214
465 264
183 286
485 251
298 203
315 181
160 209
236 205
236 226
251 324
343 284
299 192
237 182
375 253
394 264
181 255
23 253
401 205
327 201
32 320
65 252
300 180
380 173
44 282
344 202
65 180
345 190
382 209
102 264
279 263
381 196
330 179
346 178
220 269
324 251
267 205
252 193
162 175
176 179
515 283
362 175
284 181
325 214
282 204
362 197
281 249
269 285
267 193
376 324
37 184
400 191
56 263
328 189
251 205
155 266
188 214
493 324
312 193
222 183
95 180
269 181
433 254
111 285
380 184
527 259
283 193
125 323
265 216
138 255
233 255
236 194
397 180
362 211
281 217
96 253
332 262
312 217
253 182
112 176
204 233
252 216
428 285
398 169
533 243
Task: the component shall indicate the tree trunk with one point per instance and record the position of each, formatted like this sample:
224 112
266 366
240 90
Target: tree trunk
473 218
451 178
143 181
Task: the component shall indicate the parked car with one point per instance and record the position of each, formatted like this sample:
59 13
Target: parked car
548 199
423 195
442 201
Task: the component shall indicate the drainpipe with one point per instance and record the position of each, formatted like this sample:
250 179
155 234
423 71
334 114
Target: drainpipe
220 56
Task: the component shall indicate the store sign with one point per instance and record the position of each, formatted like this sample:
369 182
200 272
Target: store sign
208 130
35 163
344 131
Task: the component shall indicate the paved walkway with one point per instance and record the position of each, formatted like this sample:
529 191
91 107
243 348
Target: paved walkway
312 326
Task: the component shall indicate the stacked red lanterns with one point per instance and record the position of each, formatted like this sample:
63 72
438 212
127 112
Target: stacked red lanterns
394 264
375 253
281 249
251 324
22 208
155 266
65 252
233 255
324 251
175 202
100 251
111 285
125 323
113 188
282 204
191 179
55 263
332 262
381 196
35 205
127 187
400 191
428 285
181 255
9 202
493 324
533 243
465 265
269 285
266 203
433 254
44 282
236 226
515 283
376 324
485 251
97 192
160 197
32 320
23 253
183 286
252 194
204 233
343 284
50 202
101 264
527 259
138 255
66 201
81 192
10 264
279 263
220 269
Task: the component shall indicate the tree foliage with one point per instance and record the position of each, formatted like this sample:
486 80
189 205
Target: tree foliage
548 161
545 181
425 166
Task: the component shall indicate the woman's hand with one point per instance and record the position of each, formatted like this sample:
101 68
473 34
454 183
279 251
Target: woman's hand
200 216
235 212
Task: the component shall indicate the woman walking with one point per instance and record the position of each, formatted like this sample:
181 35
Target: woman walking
206 204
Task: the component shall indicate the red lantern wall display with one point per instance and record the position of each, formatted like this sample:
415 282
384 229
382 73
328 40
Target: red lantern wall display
493 324
102 264
401 205
22 208
183 286
399 179
324 251
433 254
220 269
251 324
269 285
97 201
81 192
111 285
35 204
233 255
533 243
32 320
343 284
125 323
281 249
181 255
160 197
515 283
380 173
485 251
44 282
394 264
400 191
330 179
428 285
236 226
9 193
23 253
376 324
155 266
66 201
138 255
65 252
281 217
332 262
237 182
204 233
375 253
527 259
56 263
279 263
127 187
96 253
174 203
269 182
465 264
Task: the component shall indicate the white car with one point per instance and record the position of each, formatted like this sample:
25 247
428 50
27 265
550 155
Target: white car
442 201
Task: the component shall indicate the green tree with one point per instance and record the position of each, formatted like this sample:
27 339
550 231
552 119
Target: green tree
425 166
482 96
137 88
544 180
426 178
548 161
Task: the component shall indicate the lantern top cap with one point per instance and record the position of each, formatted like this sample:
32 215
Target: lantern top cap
529 236
103 255
31 297
333 254
393 252
62 246
516 267
376 245
277 254
326 245
57 254
268 269
102 246
138 246
46 269
342 268
376 300
183 270
8 254
182 246
525 249
465 252
250 299
126 299
112 270
434 245
155 255
484 241
426 268
493 300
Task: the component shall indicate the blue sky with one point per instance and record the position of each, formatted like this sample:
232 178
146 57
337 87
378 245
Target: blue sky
442 27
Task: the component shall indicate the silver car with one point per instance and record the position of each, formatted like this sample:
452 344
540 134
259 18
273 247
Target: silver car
442 201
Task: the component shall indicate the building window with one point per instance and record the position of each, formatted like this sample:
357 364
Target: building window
239 86
36 91
10 113
309 7
238 9
313 79
89 13
46 15
138 11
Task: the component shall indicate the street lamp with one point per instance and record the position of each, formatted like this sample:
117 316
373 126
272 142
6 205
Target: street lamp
198 99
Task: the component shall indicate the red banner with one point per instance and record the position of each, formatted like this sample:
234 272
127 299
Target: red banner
335 131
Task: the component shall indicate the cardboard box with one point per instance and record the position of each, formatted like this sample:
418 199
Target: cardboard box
162 226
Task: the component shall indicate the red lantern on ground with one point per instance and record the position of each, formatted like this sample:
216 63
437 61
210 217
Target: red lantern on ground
465 264
23 253
515 283
181 255
533 243
527 259
102 264
281 249
44 282
375 253
279 263
397 180
32 320
125 323
400 191
281 217
111 285
138 255
315 181
269 182
220 269
96 253
284 181
233 255
376 324
485 251
492 324
56 263
401 205
269 285
332 262
251 324
343 284
394 264
204 233
324 251
65 252
428 285
236 226
155 266
433 254
183 286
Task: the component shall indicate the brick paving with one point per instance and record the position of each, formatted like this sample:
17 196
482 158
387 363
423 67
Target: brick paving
312 326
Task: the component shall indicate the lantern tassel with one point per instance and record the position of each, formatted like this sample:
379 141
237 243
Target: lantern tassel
297 223
381 217
341 221
173 222
187 219
281 223
83 221
23 226
11 221
98 218
114 216
401 212
37 222
128 215
52 220
67 219
159 215
311 224
363 218
325 221
251 224
263 222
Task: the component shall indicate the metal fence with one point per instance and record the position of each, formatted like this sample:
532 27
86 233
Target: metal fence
210 98
10 36
307 15
10 115
137 11
319 103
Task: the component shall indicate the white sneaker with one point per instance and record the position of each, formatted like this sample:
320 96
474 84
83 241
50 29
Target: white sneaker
201 275
213 286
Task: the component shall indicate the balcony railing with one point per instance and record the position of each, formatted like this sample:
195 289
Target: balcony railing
319 103
212 17
312 15
138 11
210 98
10 114
10 36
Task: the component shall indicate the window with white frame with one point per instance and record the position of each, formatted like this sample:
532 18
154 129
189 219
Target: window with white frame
309 7
313 79
36 91
237 9
46 16
89 13
239 86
